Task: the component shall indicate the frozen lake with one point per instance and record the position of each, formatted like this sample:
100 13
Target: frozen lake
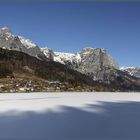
70 116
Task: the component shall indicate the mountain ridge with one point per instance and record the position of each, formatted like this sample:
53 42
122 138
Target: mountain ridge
14 42
89 61
19 63
133 71
95 63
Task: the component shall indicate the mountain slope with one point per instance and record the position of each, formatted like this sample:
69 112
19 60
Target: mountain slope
12 62
90 61
80 69
97 64
12 42
16 62
133 71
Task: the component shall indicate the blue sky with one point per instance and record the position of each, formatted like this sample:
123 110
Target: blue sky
71 26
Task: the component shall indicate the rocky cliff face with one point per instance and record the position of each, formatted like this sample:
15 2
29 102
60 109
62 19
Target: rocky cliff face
12 42
95 62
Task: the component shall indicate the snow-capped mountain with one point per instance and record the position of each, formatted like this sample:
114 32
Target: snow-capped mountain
91 61
133 71
13 42
94 62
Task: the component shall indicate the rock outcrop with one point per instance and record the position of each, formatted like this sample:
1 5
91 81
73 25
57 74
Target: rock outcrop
12 42
95 62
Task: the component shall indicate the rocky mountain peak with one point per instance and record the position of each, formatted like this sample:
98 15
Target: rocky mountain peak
88 49
98 56
5 30
91 49
91 61
12 42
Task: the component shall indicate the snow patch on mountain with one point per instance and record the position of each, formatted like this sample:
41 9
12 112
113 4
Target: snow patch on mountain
27 42
48 53
133 71
66 57
61 57
124 68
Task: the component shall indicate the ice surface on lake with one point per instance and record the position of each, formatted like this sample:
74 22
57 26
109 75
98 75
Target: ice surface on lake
70 116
